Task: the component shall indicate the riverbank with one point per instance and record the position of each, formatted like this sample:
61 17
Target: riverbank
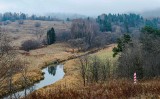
40 58
19 84
72 78
35 61
71 86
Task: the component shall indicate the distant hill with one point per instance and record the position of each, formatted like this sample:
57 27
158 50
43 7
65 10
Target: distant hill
64 16
151 13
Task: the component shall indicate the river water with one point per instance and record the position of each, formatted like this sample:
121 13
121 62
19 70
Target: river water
52 74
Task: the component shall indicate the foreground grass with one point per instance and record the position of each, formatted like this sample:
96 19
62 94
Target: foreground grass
112 89
71 86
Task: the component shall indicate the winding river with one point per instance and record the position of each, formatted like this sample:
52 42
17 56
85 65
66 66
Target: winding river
51 75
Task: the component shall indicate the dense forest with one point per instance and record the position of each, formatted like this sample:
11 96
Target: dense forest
126 21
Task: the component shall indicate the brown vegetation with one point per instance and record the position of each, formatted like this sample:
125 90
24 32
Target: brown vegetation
35 60
95 73
112 89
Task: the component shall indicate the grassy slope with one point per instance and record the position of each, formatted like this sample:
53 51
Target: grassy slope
106 53
28 30
35 59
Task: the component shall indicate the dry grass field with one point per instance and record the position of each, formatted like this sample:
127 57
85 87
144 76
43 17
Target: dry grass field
22 32
113 89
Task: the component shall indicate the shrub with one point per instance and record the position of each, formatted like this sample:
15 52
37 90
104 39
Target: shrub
20 22
112 89
44 41
94 69
63 36
37 24
30 45
7 22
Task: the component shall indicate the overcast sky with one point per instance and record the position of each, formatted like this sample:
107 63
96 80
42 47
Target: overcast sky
85 7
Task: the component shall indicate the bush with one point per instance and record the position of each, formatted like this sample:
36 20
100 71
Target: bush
112 89
30 45
44 41
6 22
63 36
79 44
94 69
37 24
20 22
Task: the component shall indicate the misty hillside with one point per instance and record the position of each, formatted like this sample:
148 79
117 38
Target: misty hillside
79 49
151 13
64 16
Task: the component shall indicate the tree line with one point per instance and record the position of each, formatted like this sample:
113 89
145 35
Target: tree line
88 33
9 16
126 21
139 55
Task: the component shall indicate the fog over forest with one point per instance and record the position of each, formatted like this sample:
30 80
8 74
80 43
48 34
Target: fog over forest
79 49
83 7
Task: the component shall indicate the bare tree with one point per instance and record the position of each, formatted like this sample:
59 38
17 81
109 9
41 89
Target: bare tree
84 63
63 35
79 43
84 28
15 66
131 60
4 53
93 69
9 64
105 69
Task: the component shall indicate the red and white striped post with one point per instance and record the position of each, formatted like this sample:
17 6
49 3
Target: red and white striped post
135 78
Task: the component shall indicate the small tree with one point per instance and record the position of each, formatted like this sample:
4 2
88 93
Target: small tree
84 63
51 36
121 44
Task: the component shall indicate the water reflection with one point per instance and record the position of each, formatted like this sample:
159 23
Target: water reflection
52 70
51 75
61 66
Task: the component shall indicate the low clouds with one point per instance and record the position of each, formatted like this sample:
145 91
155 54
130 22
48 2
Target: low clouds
86 7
